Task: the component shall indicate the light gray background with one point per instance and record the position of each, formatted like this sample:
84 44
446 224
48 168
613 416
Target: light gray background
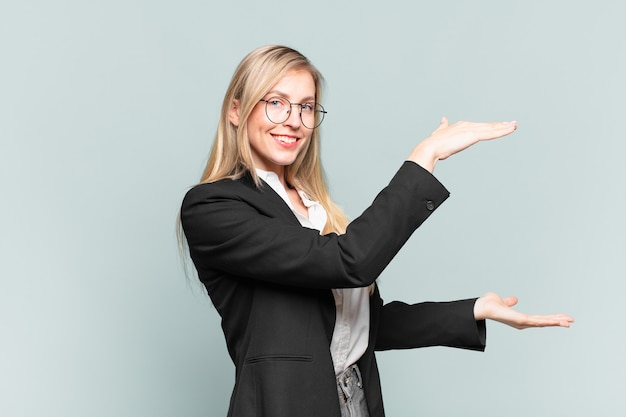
107 112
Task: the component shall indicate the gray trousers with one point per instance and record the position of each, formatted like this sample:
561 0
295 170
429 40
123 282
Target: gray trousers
351 394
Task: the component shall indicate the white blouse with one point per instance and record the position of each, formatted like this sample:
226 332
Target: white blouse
351 333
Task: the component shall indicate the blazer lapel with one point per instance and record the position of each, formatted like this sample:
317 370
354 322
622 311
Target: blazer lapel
268 201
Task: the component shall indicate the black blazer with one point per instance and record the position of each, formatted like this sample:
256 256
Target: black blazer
270 279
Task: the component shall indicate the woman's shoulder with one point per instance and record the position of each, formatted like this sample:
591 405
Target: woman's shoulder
225 188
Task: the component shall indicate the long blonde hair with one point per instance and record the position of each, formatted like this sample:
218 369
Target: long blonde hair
231 155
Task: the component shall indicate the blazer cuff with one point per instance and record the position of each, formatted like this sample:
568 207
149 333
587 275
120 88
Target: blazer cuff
481 330
423 183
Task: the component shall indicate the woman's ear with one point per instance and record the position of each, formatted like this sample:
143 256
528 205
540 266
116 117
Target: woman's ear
233 114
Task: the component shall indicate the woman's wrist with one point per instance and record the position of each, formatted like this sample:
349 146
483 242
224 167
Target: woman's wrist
424 157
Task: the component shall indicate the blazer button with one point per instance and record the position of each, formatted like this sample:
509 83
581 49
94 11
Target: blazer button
430 205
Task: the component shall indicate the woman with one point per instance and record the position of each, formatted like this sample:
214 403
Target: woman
293 282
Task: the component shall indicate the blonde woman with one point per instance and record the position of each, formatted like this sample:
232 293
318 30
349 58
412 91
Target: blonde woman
292 279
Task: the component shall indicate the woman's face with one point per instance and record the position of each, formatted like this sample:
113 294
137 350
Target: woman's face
275 146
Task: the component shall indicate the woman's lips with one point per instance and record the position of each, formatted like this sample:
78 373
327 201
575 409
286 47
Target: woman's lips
286 141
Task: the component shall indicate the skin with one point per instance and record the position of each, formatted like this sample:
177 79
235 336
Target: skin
275 146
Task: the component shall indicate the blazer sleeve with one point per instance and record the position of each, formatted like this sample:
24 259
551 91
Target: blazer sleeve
229 234
452 324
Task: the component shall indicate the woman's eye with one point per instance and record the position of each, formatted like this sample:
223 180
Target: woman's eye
308 107
275 103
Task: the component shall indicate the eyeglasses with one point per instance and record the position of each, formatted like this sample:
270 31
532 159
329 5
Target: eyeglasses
278 110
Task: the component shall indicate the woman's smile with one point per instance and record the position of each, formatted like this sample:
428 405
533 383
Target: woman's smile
287 141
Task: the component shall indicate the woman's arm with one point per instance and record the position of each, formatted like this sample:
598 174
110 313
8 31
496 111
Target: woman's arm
236 229
459 324
449 323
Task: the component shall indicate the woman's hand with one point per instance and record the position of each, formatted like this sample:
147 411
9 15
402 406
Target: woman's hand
492 306
449 139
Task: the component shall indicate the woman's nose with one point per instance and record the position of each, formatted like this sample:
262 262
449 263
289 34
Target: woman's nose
293 119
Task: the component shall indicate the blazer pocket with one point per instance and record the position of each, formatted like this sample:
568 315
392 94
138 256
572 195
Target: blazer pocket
280 358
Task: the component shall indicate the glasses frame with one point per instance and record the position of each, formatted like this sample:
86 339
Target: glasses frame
322 112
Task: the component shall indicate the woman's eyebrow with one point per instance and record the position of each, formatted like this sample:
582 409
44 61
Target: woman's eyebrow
281 94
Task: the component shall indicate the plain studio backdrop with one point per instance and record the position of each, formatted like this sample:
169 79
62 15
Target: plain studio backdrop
107 113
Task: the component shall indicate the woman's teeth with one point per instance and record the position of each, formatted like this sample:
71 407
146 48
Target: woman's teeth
285 139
